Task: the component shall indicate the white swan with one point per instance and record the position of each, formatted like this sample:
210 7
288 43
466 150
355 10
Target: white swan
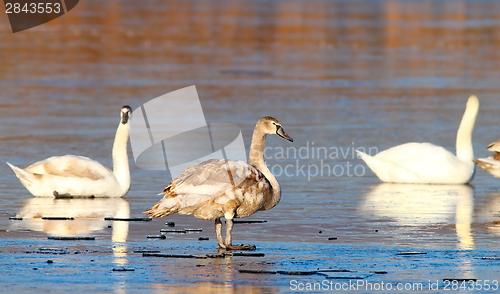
425 163
78 176
226 188
491 164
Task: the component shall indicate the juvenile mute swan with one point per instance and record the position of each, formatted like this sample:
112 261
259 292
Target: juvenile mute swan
425 163
78 176
226 188
491 164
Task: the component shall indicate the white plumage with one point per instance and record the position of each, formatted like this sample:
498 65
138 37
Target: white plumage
425 163
224 188
78 176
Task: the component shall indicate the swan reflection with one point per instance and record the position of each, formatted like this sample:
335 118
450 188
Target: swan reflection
88 216
421 205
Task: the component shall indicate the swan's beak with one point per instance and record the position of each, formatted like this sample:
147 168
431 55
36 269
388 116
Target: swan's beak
280 132
125 117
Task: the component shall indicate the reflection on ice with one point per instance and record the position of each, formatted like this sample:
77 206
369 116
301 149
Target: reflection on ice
88 216
420 205
212 288
489 213
224 268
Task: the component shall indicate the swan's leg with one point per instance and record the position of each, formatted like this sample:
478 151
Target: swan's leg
229 231
218 231
229 246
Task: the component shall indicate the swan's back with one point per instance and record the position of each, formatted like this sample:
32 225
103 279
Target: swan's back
415 151
70 166
212 187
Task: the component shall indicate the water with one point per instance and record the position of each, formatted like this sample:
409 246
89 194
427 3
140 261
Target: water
336 74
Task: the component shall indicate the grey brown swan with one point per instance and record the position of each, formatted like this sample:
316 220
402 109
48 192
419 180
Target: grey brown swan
224 188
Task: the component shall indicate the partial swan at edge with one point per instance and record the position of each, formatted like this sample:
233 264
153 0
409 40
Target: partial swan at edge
491 164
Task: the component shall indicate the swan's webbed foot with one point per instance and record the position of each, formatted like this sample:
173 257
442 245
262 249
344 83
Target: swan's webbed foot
241 247
58 195
227 243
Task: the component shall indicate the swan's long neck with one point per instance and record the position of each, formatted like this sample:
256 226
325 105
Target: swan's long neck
256 158
465 151
120 158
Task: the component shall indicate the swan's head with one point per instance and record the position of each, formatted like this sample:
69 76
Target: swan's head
472 102
494 147
125 114
270 125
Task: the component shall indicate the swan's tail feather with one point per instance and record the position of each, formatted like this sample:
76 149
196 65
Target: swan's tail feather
24 175
362 154
369 160
378 167
161 210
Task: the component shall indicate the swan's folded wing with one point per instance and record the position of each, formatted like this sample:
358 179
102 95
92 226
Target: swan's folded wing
409 151
70 166
414 163
213 178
